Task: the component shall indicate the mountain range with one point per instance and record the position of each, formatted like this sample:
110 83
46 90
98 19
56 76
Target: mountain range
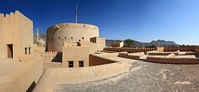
136 43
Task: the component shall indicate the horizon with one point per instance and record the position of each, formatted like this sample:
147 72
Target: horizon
140 20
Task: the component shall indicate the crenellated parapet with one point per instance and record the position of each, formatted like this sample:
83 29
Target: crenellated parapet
130 50
48 54
181 48
68 43
16 31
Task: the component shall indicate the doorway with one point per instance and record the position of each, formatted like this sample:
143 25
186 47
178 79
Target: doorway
10 50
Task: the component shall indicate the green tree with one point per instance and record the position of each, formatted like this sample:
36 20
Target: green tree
129 43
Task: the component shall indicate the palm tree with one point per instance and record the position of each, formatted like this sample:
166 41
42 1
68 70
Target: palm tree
129 43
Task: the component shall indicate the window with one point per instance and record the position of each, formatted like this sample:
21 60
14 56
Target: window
70 63
29 50
52 38
65 37
25 51
58 37
81 63
71 37
82 37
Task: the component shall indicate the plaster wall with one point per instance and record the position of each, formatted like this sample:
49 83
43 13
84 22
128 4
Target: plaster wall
172 55
100 43
129 50
94 60
92 46
132 55
118 44
197 49
73 32
75 54
53 76
181 48
20 78
16 29
160 48
25 58
108 55
173 60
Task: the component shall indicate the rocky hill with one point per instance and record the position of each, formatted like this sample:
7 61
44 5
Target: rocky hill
145 44
137 43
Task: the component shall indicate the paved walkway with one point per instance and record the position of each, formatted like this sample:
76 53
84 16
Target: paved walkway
143 77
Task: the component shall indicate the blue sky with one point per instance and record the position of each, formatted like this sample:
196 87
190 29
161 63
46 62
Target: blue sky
142 20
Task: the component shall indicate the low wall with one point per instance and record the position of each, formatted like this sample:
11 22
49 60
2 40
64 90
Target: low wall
52 65
170 56
98 59
108 55
22 77
173 60
129 50
48 54
47 82
161 53
53 76
25 58
132 55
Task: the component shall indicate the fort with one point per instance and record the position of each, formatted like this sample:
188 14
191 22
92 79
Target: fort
76 54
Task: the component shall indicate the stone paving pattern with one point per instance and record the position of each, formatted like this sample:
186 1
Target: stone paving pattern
143 77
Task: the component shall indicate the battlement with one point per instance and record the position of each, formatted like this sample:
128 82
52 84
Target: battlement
76 25
16 14
68 43
48 54
130 50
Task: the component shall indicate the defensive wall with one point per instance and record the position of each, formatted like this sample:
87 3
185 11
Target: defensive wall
54 76
173 60
58 34
23 78
160 49
129 50
181 48
136 55
96 59
168 58
48 54
16 35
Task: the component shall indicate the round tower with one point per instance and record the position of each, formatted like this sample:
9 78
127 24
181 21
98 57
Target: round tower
70 32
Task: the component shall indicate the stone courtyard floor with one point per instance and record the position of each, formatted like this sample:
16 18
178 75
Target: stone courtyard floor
143 77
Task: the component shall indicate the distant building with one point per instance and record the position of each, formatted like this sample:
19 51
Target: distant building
118 44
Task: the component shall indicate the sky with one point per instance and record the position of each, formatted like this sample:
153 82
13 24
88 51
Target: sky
141 20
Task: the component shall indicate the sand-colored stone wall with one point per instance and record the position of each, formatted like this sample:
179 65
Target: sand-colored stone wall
48 54
96 59
181 48
20 78
197 49
100 43
25 58
129 50
131 55
75 54
73 32
92 46
160 48
16 29
107 55
53 76
173 60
